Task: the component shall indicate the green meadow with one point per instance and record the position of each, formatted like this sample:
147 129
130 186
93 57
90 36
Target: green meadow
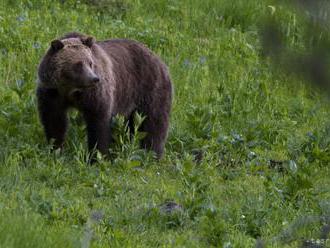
247 156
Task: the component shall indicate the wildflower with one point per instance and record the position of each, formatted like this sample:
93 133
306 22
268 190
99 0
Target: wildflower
96 216
36 45
202 60
186 63
21 18
20 83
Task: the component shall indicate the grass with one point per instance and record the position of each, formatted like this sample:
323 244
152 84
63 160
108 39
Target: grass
247 158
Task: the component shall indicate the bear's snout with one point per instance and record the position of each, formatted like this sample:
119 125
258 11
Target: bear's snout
90 76
95 79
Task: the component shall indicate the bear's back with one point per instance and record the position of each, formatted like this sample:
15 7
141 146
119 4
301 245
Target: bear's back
126 51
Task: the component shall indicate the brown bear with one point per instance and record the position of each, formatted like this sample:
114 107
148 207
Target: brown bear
102 79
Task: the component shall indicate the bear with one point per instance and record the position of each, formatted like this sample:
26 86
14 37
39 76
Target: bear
102 79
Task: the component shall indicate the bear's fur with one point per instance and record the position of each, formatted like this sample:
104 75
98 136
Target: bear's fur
102 79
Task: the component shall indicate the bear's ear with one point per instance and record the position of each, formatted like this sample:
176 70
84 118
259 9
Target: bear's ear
56 45
88 41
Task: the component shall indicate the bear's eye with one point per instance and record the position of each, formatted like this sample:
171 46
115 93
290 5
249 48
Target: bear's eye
90 64
78 66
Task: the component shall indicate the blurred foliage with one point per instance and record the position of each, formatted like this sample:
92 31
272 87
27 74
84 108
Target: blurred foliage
302 48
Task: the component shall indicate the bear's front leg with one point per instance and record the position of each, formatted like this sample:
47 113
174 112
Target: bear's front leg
53 116
98 132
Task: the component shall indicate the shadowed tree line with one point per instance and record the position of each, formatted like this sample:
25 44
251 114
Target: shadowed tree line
306 53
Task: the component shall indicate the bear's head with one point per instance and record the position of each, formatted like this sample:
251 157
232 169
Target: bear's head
73 65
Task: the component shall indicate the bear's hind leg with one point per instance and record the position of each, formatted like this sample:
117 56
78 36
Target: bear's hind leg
156 128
